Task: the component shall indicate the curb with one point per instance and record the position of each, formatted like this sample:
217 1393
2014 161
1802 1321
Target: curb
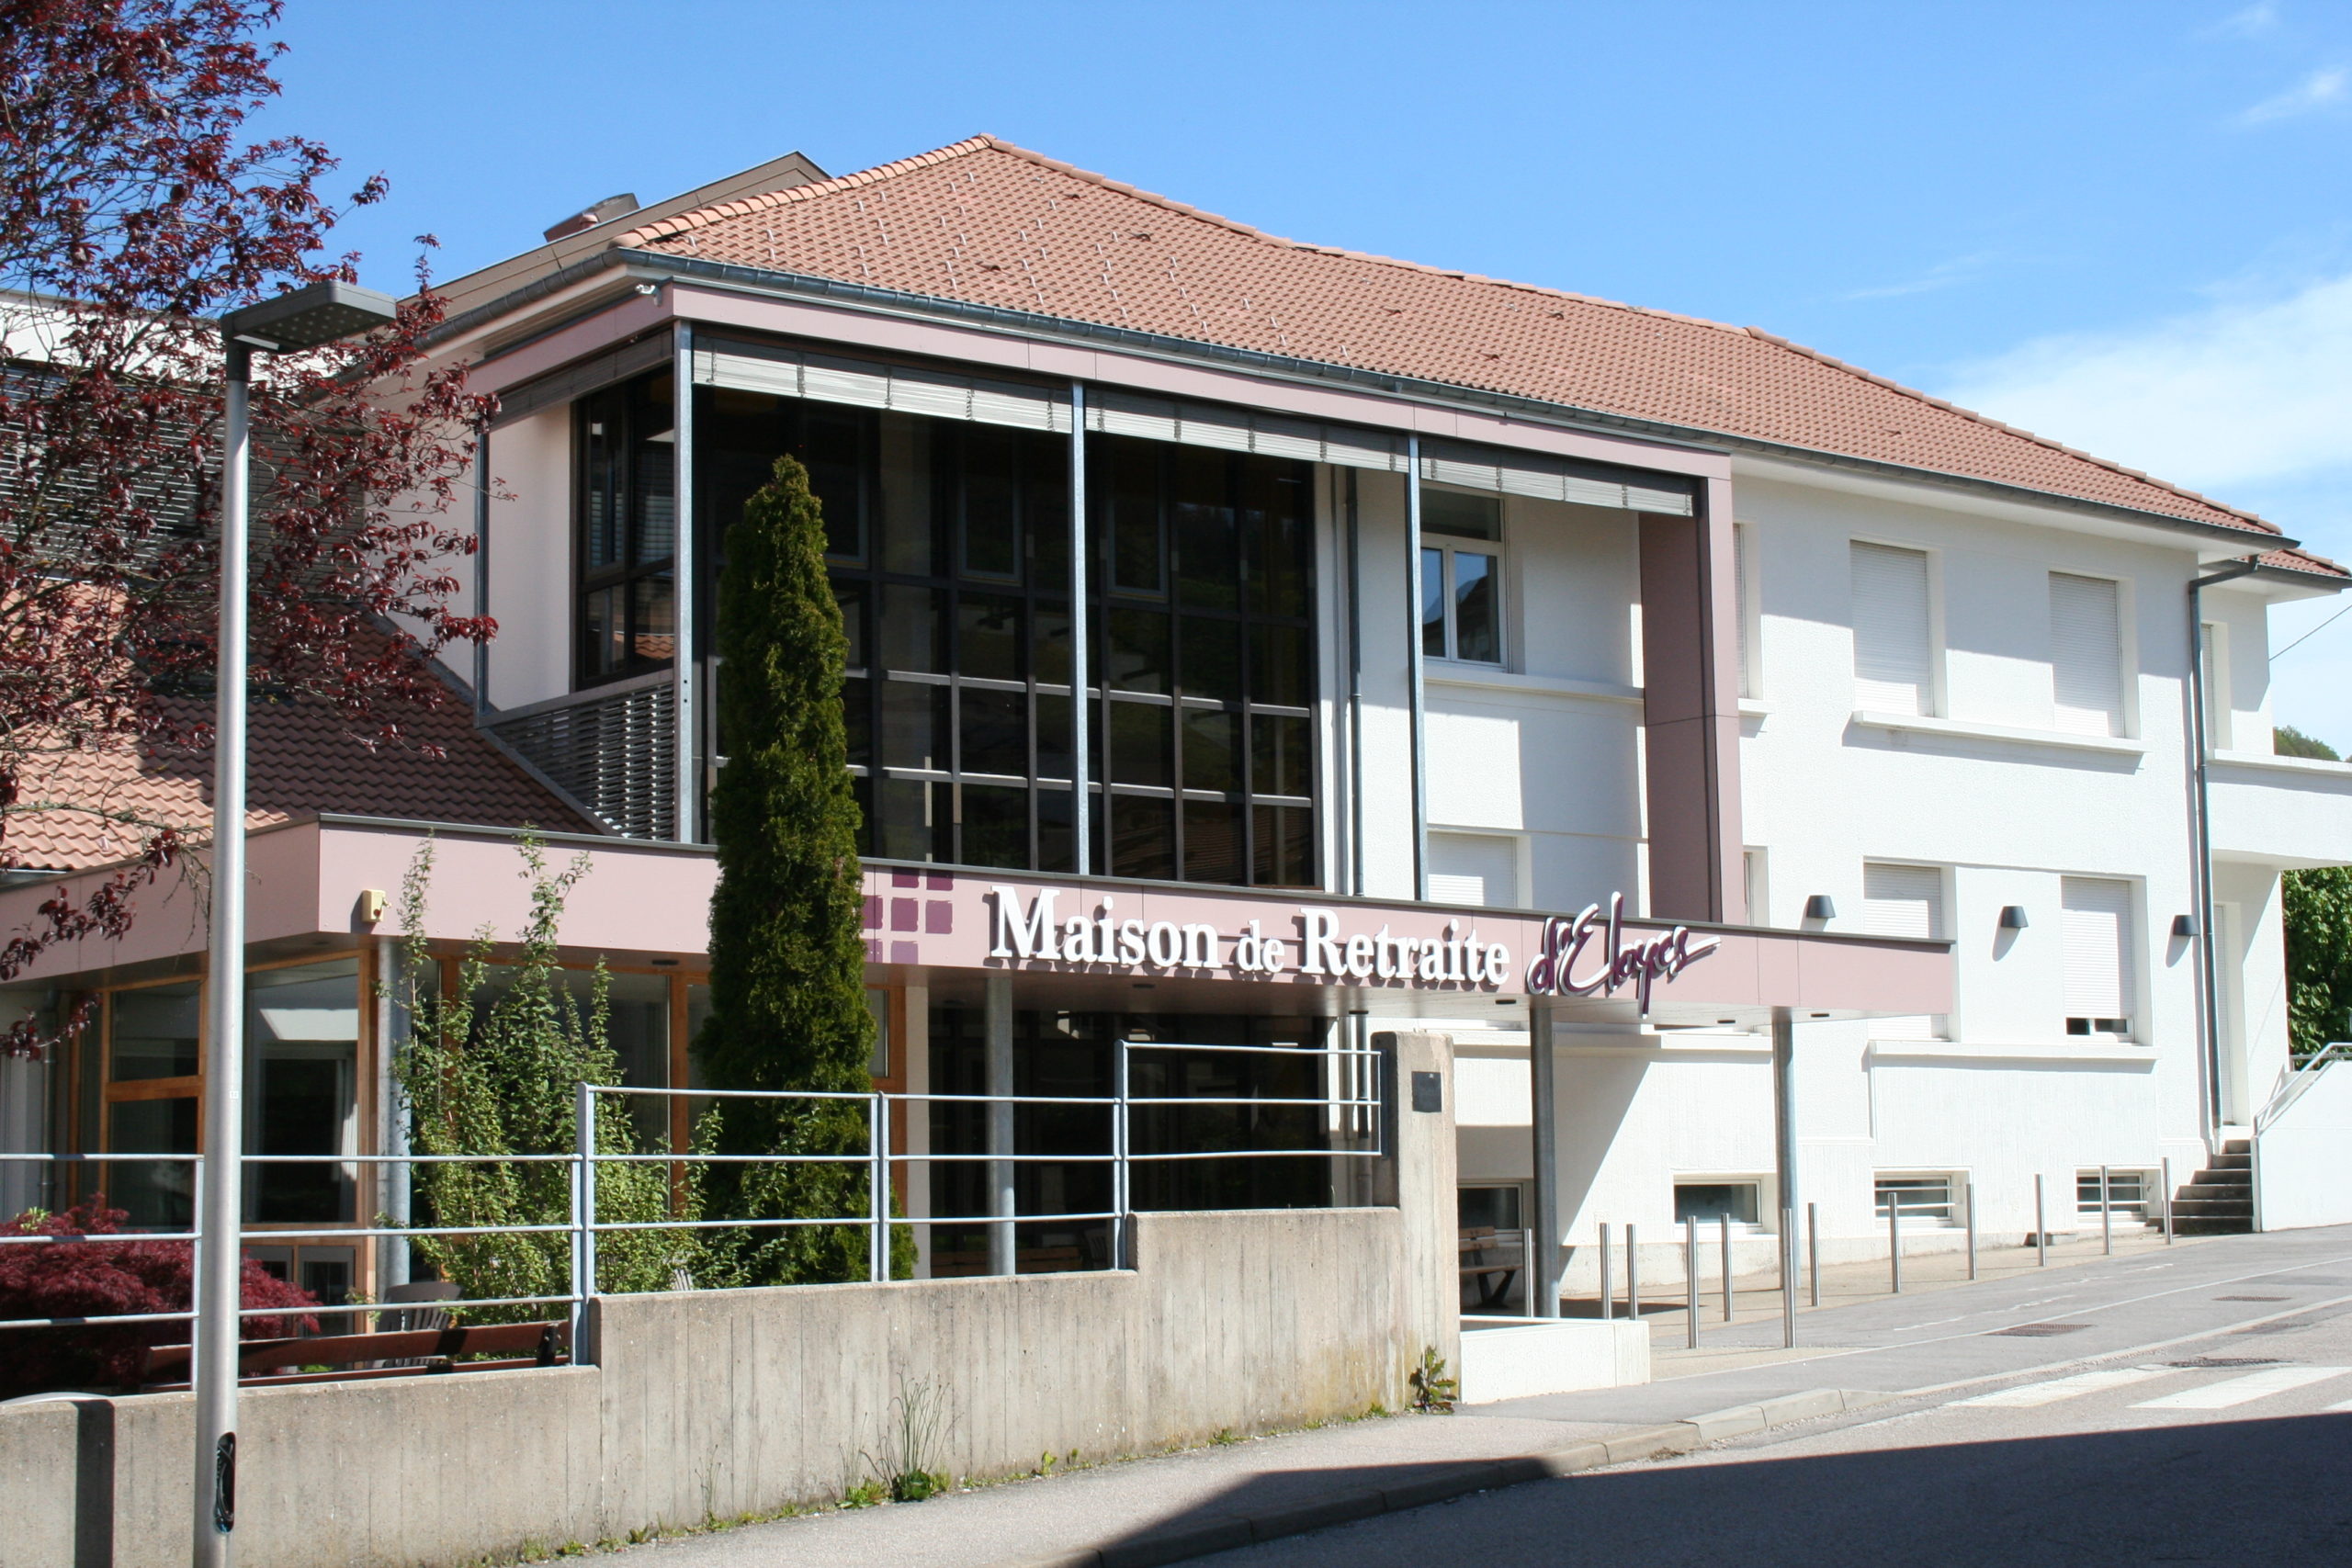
1204 1536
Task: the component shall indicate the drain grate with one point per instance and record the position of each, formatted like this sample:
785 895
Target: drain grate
2254 1298
2202 1363
2041 1330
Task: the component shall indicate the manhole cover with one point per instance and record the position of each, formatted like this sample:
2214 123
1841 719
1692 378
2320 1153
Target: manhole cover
2254 1298
2041 1330
2203 1362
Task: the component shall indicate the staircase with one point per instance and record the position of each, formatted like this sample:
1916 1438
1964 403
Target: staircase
2218 1200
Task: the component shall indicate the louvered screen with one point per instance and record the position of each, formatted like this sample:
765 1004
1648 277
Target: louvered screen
1554 478
1242 430
2097 918
1892 666
2086 655
1739 551
1903 900
615 755
786 372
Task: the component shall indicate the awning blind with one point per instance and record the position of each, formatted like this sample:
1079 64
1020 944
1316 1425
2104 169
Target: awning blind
1243 429
1551 478
786 372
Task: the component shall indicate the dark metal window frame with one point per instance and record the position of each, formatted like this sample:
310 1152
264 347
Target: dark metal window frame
587 581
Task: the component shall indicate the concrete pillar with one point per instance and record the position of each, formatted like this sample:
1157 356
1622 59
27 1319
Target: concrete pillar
1543 1270
998 1022
1421 1155
1690 712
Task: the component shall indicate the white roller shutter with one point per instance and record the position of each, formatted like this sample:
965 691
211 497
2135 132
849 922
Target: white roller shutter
1908 901
783 372
2097 918
1242 430
1739 569
1478 869
2086 655
1893 671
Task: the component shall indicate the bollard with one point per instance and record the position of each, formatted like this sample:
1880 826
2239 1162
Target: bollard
1788 1240
1725 1220
1968 1196
1608 1288
2165 1183
1812 1243
1632 1278
2106 1217
1894 1238
2040 1226
1691 1277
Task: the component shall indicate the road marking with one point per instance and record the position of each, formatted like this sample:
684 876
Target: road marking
2030 1394
2333 1409
2243 1391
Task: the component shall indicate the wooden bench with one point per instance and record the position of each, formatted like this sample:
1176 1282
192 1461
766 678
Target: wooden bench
401 1354
1493 1259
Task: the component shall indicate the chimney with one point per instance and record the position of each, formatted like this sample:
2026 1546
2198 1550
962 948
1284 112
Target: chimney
604 212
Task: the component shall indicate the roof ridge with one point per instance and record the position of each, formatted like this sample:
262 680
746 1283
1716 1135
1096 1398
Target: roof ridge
1835 363
702 217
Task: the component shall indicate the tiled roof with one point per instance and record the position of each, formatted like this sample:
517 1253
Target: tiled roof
989 223
301 758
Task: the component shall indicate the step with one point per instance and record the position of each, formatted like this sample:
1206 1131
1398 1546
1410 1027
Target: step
2186 1211
2222 1179
2232 1160
2211 1224
2197 1190
2238 1147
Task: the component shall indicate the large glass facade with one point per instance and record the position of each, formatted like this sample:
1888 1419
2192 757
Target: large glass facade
948 545
626 620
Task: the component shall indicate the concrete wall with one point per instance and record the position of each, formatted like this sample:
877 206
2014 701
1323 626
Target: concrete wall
715 1403
2299 1160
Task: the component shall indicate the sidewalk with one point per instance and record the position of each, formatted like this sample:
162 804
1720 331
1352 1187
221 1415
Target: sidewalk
1171 1507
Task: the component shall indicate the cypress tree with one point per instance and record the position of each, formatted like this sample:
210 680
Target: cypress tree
787 959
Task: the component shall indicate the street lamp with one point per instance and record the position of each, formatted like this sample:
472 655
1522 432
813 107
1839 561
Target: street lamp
307 318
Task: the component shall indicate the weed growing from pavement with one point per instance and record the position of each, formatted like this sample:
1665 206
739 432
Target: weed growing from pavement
870 1493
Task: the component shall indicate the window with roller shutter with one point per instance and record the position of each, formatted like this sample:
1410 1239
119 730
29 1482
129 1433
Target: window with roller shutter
1906 901
2096 915
1893 665
2086 655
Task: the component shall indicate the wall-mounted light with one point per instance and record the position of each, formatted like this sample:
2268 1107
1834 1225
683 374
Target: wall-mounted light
2184 925
1820 907
2013 917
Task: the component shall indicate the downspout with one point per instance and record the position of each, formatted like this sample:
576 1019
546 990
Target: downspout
1081 818
687 765
1413 662
1355 693
2201 822
482 566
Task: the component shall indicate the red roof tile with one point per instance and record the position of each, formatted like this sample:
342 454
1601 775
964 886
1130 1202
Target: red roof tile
989 223
303 759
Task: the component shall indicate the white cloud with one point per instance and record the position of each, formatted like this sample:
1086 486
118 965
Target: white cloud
2252 22
2241 393
2314 92
1943 274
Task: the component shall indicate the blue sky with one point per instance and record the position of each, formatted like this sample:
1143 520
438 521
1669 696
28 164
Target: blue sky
2122 225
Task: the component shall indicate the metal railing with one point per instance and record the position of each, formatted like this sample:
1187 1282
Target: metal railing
2294 1080
1349 1124
610 749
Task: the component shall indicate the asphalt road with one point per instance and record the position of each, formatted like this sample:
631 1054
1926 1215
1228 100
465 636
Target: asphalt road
2191 1409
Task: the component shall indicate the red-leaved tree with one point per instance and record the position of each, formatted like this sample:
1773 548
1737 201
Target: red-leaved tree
132 212
109 1279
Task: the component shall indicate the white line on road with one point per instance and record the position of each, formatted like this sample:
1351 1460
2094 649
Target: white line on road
2030 1394
2243 1391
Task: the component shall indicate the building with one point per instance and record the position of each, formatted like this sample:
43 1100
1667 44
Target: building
1422 612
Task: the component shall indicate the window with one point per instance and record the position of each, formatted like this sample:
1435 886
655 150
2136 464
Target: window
1478 869
627 622
2127 1192
949 555
2086 655
1913 1197
2097 930
1893 665
153 1062
1494 1208
1906 901
1710 1203
302 1091
2216 674
1460 583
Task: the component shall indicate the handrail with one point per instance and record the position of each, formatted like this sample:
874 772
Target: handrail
2296 1080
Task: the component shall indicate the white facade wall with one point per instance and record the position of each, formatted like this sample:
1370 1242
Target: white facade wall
1993 786
530 560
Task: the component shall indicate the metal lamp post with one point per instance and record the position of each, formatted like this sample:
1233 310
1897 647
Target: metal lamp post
308 318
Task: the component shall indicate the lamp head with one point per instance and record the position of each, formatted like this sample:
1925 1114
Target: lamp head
320 313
